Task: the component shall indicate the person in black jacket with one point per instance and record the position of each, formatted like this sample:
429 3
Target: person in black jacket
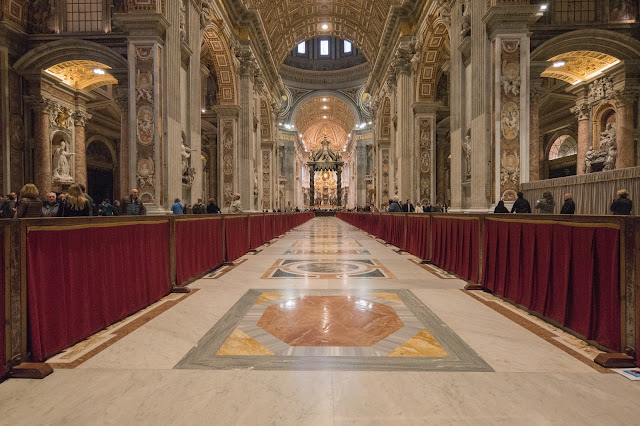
622 205
212 207
75 203
569 207
521 205
500 208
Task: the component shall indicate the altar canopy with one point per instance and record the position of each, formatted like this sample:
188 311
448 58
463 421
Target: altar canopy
327 161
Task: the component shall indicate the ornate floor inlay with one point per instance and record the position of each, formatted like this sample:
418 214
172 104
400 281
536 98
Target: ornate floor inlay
325 251
332 329
327 269
326 243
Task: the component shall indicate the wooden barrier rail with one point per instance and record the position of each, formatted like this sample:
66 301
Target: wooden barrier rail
65 279
581 273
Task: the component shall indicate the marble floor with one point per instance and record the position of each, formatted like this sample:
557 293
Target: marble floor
326 326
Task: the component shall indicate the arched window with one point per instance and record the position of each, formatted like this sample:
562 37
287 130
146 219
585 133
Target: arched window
564 146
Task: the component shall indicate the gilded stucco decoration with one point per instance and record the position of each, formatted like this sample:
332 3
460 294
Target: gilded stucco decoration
82 74
315 134
217 48
435 52
579 65
290 22
316 109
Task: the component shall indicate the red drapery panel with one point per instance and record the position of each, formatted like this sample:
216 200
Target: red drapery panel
456 246
198 247
80 280
417 235
397 231
3 357
236 236
257 231
268 228
567 273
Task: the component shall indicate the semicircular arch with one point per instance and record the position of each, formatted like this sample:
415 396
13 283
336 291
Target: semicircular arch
217 47
603 41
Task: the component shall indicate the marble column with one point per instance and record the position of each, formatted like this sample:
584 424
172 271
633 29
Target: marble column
405 149
625 130
227 141
244 165
583 113
425 153
42 146
536 96
360 172
80 118
124 166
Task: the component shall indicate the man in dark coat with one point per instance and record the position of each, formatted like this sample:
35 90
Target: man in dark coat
408 207
212 207
521 205
132 205
622 205
569 207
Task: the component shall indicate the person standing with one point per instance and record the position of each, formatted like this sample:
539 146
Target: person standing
394 206
212 207
29 205
131 205
105 208
521 205
500 208
623 204
569 207
74 204
235 206
177 207
50 206
546 204
287 208
199 207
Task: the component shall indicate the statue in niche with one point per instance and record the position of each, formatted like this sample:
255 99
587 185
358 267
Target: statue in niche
466 145
188 172
62 168
183 22
605 158
39 13
466 19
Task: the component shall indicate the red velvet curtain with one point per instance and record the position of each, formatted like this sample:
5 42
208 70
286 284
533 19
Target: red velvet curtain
268 228
82 280
257 230
397 231
198 247
456 246
417 242
236 236
3 357
567 273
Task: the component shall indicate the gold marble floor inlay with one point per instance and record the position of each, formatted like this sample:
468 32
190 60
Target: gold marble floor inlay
332 329
327 269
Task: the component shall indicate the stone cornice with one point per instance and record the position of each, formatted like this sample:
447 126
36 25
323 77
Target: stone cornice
315 80
510 18
148 25
226 111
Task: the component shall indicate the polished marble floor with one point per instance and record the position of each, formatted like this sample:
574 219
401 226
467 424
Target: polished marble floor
320 345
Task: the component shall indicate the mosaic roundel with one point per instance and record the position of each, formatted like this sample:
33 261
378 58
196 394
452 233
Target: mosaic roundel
327 269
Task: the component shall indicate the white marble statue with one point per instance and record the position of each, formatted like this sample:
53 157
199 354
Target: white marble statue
466 145
186 155
62 168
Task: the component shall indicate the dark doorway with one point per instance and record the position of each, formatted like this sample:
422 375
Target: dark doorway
100 184
100 171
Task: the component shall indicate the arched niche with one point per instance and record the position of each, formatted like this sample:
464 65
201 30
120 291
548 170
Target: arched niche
603 115
561 155
62 164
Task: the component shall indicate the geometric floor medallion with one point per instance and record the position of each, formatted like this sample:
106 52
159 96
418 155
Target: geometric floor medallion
332 330
327 269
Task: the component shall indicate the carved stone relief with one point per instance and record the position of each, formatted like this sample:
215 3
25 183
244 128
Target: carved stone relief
510 120
145 122
385 175
227 161
425 159
266 179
